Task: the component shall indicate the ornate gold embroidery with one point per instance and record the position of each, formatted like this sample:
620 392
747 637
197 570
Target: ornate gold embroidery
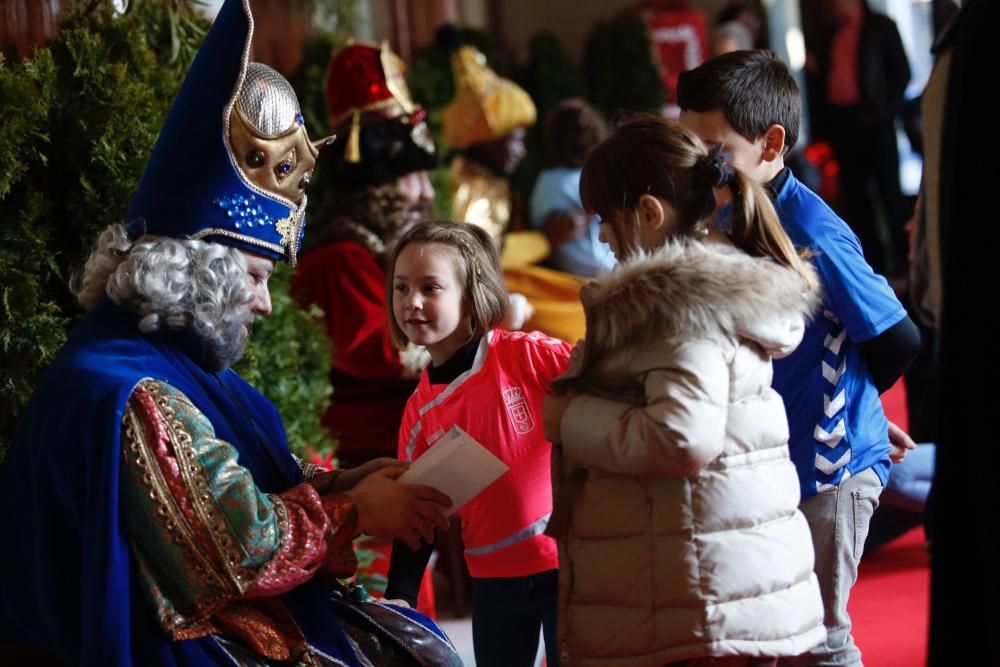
137 452
285 227
308 470
201 498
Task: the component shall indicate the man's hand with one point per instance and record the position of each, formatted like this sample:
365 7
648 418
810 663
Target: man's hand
393 510
900 442
552 413
348 478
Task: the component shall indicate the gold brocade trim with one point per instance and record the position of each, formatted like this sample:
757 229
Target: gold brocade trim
309 470
284 527
136 451
317 476
286 227
201 498
216 231
393 69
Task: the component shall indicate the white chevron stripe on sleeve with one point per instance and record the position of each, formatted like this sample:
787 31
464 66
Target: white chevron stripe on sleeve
830 438
828 467
833 343
833 376
832 407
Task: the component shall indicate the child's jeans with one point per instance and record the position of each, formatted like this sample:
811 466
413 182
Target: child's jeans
838 521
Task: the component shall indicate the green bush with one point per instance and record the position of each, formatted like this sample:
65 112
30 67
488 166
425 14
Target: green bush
31 324
77 123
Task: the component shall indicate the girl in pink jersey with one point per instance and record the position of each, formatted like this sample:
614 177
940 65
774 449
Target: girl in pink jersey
446 293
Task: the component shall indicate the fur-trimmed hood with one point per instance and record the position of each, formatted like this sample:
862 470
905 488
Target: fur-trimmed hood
693 288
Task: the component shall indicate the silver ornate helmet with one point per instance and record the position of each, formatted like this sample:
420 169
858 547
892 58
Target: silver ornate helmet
233 158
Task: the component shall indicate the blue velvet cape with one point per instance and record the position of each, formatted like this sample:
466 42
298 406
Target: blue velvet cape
66 576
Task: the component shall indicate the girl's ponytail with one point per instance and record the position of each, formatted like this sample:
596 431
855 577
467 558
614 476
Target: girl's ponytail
757 230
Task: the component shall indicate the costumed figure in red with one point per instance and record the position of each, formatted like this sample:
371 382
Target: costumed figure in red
377 186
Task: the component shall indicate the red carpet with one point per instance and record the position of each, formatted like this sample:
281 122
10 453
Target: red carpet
894 405
890 602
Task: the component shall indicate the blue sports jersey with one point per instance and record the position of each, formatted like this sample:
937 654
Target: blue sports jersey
836 424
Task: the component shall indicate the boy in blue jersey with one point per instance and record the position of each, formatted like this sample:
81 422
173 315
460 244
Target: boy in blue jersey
857 347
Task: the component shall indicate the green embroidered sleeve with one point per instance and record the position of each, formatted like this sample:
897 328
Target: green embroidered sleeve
202 533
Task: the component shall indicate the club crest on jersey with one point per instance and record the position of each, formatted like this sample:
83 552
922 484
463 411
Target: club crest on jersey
517 410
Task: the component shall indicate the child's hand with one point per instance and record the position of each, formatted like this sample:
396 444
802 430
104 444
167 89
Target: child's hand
552 413
519 312
900 442
576 356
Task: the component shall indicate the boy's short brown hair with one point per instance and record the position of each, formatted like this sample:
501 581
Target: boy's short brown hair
754 89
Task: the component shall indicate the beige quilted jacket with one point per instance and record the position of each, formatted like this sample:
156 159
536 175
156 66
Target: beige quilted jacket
684 539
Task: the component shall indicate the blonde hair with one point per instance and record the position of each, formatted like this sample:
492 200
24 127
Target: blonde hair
477 267
650 155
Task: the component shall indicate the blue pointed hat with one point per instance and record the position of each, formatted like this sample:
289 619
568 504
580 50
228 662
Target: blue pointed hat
233 158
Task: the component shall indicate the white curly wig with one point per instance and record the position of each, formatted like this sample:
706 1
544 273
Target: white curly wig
173 284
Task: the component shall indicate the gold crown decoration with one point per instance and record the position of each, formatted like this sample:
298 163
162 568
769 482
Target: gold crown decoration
486 106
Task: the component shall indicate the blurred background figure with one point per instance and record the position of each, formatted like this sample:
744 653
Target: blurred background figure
485 124
730 36
376 186
862 72
749 15
573 128
677 31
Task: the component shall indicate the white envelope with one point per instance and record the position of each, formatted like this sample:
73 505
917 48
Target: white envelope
458 466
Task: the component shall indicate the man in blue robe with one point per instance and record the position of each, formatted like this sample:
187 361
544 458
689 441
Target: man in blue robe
154 512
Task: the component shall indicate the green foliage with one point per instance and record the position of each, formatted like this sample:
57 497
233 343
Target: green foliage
27 92
367 574
618 63
78 121
308 83
288 360
342 13
550 75
30 326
